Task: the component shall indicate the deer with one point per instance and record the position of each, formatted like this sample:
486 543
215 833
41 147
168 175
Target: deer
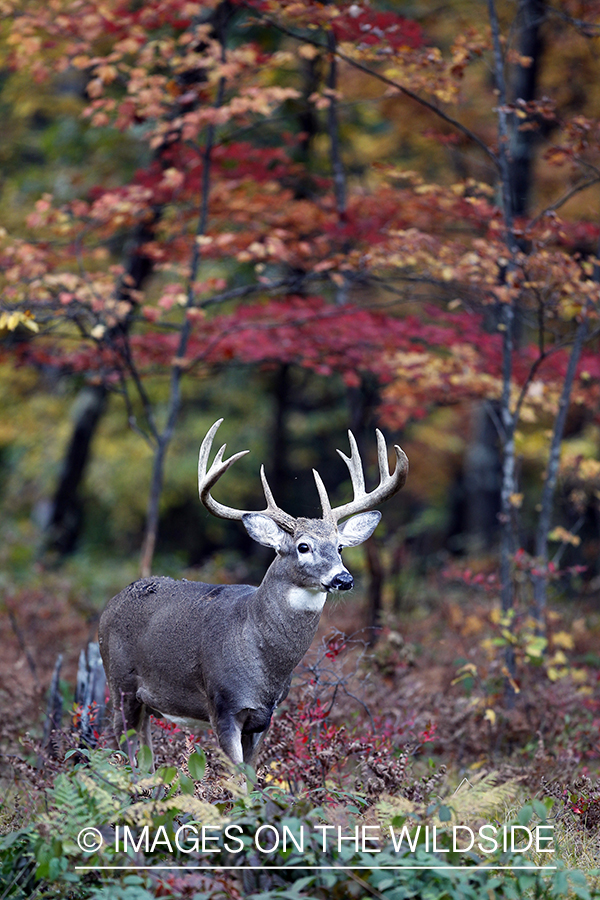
191 652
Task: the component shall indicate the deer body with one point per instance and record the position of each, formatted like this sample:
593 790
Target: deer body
194 652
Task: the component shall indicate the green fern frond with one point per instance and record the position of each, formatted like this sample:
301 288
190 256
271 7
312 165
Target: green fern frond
144 811
101 797
482 797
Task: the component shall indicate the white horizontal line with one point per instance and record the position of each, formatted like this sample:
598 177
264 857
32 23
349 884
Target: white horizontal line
328 868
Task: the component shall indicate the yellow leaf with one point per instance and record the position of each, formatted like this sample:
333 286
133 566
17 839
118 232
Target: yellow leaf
10 321
490 716
464 672
308 51
511 680
563 639
564 536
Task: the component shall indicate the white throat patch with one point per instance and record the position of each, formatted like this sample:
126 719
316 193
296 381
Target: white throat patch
304 598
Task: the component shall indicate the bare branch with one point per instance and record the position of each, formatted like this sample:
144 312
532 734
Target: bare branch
174 403
576 189
427 104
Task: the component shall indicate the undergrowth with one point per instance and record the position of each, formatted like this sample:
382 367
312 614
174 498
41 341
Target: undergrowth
369 739
104 829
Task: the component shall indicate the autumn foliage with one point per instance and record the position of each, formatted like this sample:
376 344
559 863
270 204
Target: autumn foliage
330 186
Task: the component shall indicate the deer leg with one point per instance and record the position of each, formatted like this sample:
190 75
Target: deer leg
251 745
129 714
145 733
229 735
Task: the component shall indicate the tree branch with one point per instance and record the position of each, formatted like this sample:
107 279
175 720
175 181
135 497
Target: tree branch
427 104
174 403
576 189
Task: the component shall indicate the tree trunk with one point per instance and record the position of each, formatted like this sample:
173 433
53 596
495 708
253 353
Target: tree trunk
481 483
66 517
507 314
532 13
278 469
220 19
482 463
375 587
540 580
65 520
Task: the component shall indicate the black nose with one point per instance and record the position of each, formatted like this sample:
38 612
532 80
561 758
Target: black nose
342 582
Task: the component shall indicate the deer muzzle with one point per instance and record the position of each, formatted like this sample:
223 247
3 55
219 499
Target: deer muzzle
343 581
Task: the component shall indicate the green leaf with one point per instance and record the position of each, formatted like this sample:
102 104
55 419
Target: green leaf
303 882
167 774
445 814
524 815
540 810
144 758
197 764
186 783
560 884
525 882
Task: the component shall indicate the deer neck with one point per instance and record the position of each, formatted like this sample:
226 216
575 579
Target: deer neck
285 590
288 613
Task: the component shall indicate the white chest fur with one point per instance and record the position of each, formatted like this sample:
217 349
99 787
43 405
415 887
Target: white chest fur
304 598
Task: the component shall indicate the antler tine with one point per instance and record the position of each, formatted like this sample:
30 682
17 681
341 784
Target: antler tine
388 485
208 477
354 464
278 515
324 498
382 456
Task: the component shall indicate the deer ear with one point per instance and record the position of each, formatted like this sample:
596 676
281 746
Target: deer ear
264 530
358 528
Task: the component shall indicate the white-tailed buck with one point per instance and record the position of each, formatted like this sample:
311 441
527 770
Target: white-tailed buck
193 652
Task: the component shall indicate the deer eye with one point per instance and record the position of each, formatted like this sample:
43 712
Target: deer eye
303 548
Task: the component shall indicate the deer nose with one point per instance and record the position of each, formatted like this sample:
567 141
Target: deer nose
342 582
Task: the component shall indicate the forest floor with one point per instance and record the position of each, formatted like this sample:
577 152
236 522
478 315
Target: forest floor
433 685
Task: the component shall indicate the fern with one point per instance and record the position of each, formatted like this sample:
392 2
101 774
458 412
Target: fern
144 812
482 797
67 802
101 797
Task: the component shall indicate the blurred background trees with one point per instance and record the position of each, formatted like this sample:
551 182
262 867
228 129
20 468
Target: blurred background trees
302 217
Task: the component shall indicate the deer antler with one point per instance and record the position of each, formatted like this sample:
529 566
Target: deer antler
208 477
364 500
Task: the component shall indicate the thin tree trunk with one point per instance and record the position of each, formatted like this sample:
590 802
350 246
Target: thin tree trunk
65 520
278 476
375 588
163 439
507 315
64 524
531 14
481 478
540 579
482 463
